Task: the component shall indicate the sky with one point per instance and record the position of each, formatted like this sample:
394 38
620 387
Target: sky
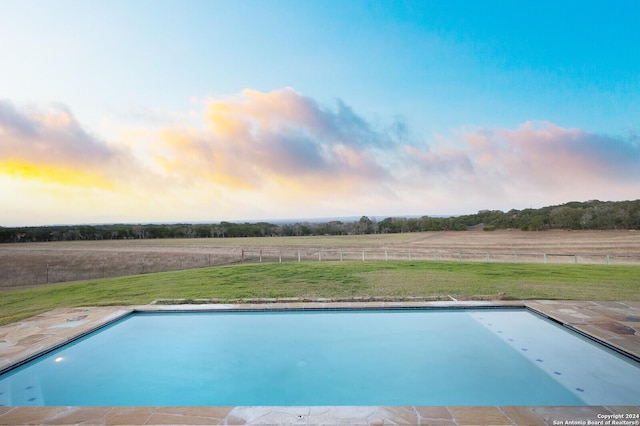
146 111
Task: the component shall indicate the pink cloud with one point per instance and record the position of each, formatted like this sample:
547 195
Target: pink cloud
52 144
284 150
279 136
537 163
544 153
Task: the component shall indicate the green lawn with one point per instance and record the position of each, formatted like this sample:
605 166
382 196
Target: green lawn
335 280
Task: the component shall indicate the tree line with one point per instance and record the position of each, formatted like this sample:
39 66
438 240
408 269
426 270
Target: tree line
594 214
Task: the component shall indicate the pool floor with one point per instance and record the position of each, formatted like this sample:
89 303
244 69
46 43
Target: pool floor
615 323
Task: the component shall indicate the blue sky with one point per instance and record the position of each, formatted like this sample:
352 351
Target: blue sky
142 111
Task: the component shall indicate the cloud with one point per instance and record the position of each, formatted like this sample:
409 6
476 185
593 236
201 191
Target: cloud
50 145
255 139
283 154
545 152
537 163
441 161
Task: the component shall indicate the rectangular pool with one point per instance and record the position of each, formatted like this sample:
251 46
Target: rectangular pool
454 357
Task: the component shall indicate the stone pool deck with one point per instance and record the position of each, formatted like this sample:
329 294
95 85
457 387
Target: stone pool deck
615 323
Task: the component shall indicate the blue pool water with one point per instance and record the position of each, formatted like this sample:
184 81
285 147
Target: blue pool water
443 357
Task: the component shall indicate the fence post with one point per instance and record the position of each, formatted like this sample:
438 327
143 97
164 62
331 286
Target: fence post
386 256
608 260
47 273
545 257
340 255
280 256
576 257
320 255
298 255
363 255
488 257
260 256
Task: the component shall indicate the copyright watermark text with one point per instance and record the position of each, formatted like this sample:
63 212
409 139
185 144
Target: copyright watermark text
628 419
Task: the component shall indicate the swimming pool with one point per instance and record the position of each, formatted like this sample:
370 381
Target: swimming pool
363 357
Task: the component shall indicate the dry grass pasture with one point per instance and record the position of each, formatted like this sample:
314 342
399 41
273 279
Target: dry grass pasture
32 264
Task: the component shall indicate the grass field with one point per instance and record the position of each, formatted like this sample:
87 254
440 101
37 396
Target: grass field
32 264
335 280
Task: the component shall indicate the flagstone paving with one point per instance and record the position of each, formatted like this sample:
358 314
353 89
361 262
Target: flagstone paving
615 323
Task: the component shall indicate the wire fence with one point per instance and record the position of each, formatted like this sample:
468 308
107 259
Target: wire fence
326 255
37 272
25 273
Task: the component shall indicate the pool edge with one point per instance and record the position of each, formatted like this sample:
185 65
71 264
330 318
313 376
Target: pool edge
317 415
65 339
568 313
584 334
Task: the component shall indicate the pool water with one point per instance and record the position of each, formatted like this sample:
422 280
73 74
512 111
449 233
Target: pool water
406 357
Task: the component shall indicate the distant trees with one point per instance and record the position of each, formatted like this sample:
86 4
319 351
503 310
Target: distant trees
364 226
592 214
